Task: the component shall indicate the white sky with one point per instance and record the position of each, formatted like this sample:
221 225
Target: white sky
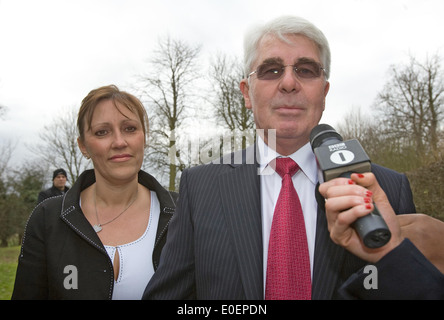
53 52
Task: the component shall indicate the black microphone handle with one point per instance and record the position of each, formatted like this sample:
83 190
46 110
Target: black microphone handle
372 228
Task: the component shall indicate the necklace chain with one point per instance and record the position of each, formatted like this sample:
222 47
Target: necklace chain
98 227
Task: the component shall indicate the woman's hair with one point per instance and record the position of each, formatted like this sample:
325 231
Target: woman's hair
280 28
118 97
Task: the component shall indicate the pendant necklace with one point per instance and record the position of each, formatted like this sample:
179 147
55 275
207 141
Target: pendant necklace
98 227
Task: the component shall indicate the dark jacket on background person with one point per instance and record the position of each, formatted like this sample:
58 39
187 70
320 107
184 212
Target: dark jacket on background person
58 237
51 192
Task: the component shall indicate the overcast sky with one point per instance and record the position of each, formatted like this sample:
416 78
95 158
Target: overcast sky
53 52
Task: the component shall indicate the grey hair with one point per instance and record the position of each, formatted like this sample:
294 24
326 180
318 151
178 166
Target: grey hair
280 27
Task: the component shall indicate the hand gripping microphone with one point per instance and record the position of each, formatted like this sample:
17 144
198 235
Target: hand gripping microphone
338 158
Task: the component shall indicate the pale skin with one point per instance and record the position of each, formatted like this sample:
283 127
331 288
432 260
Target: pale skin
290 105
348 199
115 143
60 182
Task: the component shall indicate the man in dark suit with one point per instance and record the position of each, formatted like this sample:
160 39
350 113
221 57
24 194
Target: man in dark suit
58 188
218 240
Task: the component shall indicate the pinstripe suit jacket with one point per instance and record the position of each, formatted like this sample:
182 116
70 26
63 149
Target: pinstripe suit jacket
214 246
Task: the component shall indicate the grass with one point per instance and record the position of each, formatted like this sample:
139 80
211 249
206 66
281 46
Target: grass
8 267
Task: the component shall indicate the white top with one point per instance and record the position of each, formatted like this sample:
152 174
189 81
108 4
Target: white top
136 262
304 180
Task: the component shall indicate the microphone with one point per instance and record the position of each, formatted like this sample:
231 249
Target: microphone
338 158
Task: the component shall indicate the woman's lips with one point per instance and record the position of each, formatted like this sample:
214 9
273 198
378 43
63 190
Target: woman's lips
121 157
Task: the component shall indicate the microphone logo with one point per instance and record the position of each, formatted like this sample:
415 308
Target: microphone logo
342 157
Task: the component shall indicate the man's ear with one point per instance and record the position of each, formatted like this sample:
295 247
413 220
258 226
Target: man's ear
326 89
245 89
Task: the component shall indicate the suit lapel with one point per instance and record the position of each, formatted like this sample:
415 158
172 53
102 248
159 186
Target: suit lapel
327 261
240 194
72 214
76 220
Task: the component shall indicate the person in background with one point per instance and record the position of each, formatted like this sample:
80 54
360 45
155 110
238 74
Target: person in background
58 188
103 238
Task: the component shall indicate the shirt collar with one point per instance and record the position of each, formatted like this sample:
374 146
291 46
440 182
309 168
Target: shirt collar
304 157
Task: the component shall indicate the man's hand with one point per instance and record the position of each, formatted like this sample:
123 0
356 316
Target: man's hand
427 234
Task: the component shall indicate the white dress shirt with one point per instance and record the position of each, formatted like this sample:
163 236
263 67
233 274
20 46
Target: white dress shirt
304 180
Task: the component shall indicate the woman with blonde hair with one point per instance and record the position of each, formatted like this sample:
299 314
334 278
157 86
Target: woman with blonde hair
103 238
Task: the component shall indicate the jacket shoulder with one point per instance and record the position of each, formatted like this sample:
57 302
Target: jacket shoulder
389 178
207 171
397 188
46 211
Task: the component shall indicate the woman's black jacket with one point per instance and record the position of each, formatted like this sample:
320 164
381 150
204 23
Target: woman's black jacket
63 258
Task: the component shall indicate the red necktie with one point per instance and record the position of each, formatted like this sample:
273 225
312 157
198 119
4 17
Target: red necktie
288 269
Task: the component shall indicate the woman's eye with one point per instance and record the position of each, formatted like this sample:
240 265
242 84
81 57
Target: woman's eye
100 133
130 129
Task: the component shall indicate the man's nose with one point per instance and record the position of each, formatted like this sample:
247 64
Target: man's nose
289 81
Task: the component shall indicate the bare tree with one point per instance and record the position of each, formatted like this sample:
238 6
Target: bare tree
168 86
380 147
6 150
229 104
412 104
58 147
